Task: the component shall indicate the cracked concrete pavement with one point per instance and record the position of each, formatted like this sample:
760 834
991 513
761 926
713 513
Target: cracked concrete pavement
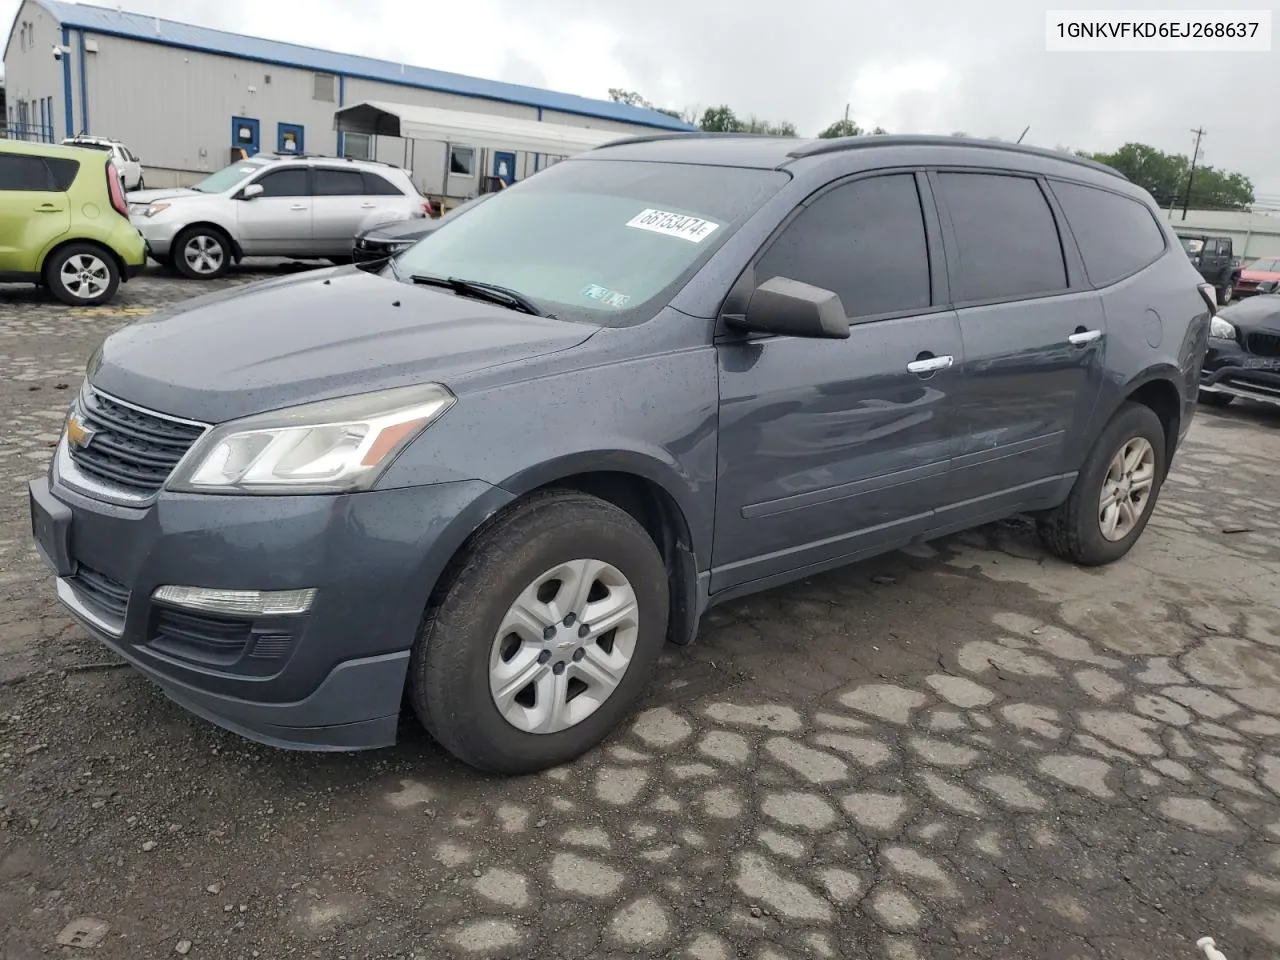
979 752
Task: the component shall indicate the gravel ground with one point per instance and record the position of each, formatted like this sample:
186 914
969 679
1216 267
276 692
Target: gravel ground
965 749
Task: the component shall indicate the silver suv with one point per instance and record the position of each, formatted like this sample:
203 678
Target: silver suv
272 206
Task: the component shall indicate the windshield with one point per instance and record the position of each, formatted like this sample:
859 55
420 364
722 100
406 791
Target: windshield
1265 266
228 177
596 241
1192 246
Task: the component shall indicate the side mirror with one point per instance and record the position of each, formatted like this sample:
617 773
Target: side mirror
251 191
793 309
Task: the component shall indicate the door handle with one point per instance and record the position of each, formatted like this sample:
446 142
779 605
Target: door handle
367 206
1081 337
930 364
48 208
298 206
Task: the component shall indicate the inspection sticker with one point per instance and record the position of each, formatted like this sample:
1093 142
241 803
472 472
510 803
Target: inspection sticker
693 229
593 291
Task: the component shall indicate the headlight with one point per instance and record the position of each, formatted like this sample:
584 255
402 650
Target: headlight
332 446
154 208
1219 329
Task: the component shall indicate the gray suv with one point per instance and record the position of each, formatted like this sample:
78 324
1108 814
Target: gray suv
494 477
271 206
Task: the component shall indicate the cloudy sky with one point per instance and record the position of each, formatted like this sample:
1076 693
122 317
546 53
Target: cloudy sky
910 66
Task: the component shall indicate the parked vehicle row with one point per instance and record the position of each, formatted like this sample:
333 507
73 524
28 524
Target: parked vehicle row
496 475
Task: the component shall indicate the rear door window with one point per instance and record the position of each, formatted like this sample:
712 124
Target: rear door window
338 183
1117 235
376 186
25 173
863 240
1006 239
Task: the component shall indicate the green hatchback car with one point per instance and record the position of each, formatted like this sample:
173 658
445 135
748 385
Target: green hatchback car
64 222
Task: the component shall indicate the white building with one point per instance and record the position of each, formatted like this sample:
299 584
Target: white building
184 98
1253 235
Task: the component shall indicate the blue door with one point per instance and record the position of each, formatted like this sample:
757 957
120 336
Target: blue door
289 138
504 166
244 135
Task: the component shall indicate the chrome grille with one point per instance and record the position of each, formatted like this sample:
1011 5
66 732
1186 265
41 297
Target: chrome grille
128 447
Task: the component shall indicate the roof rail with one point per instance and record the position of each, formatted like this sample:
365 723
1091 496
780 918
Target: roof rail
814 148
682 135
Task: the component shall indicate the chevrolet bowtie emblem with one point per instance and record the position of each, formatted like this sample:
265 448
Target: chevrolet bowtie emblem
78 435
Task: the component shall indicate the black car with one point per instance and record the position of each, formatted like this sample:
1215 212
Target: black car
1244 352
378 244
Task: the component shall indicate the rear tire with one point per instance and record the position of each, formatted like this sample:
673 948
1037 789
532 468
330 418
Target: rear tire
1226 292
1077 531
201 253
495 687
1215 399
82 275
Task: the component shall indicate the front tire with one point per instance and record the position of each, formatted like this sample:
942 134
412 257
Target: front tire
544 637
82 275
1114 493
201 253
1226 292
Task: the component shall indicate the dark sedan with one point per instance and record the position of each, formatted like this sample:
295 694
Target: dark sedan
1244 353
378 244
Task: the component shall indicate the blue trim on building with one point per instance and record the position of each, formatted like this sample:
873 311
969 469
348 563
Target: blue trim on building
342 102
84 90
185 36
66 82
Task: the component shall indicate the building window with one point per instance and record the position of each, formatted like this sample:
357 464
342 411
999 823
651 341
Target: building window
324 86
462 161
357 146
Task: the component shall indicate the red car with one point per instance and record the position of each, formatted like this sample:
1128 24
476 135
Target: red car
1260 271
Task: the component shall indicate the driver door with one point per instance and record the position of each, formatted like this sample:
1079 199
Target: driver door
277 222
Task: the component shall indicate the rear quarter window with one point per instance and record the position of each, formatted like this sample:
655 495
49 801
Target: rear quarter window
1117 235
64 171
376 186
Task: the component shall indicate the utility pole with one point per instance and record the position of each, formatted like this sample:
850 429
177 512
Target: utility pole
1191 175
1023 133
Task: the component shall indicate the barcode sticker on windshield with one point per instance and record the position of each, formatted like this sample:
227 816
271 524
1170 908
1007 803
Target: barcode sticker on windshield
693 229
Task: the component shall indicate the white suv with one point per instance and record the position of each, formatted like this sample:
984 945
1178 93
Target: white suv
272 206
130 167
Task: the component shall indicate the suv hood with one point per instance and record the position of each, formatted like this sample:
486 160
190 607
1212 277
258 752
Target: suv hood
323 334
151 196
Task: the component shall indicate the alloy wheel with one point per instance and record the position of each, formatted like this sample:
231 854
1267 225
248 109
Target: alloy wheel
85 276
1126 489
204 254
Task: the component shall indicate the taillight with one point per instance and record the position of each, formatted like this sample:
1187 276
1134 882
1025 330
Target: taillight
115 189
1210 295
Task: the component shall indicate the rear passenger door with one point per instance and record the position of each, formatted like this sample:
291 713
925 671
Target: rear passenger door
834 449
340 207
34 210
1034 335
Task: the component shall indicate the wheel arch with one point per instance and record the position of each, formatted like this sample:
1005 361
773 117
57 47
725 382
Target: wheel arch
651 492
64 242
1158 389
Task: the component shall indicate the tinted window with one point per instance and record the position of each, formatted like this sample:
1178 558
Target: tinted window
284 183
865 241
338 183
18 172
1006 241
376 186
64 171
1117 236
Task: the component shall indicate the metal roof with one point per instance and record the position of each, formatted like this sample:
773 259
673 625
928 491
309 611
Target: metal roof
136 26
475 129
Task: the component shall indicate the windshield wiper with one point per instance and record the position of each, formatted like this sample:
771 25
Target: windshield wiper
493 293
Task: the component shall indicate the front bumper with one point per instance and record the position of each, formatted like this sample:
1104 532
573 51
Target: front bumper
157 234
330 679
1229 369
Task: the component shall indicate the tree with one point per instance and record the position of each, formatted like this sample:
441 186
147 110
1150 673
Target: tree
1165 175
633 99
756 125
720 119
842 128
